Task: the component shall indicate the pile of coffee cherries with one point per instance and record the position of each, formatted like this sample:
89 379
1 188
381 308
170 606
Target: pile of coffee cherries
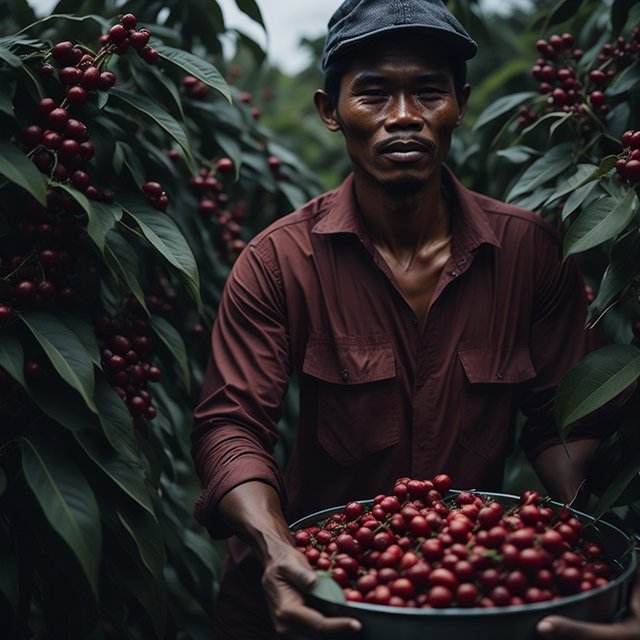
419 547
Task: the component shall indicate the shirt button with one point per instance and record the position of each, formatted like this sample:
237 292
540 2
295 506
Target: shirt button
453 274
414 320
345 374
421 446
500 375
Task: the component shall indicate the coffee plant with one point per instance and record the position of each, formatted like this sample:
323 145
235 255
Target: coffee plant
132 172
565 144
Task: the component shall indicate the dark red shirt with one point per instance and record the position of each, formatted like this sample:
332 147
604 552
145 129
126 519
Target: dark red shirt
381 397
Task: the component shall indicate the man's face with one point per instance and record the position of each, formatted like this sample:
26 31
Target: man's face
397 109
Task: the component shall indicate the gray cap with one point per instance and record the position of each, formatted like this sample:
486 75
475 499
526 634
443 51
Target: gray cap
357 20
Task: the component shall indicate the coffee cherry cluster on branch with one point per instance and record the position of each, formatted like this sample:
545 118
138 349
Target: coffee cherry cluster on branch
568 87
37 270
415 547
126 349
215 207
628 164
124 35
58 143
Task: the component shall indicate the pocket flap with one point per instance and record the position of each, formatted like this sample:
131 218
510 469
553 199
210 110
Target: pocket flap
352 361
496 365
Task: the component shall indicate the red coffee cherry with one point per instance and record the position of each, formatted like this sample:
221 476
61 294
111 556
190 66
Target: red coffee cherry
153 189
6 315
62 52
76 95
117 34
107 80
225 165
129 21
139 39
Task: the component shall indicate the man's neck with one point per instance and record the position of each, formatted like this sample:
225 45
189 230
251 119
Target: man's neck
400 223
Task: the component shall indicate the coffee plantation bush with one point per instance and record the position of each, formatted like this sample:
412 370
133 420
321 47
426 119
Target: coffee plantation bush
563 145
131 175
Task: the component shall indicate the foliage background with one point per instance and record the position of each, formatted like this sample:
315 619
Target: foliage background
97 539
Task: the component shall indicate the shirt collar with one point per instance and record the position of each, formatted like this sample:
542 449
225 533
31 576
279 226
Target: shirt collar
470 227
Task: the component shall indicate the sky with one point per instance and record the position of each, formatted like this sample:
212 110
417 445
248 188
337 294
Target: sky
286 23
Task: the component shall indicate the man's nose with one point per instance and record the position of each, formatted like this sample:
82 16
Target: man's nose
403 114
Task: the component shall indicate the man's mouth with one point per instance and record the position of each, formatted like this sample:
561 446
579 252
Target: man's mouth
405 150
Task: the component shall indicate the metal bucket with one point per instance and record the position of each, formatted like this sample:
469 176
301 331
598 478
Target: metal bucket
517 622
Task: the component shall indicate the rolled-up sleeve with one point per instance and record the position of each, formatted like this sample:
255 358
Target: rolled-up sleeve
235 422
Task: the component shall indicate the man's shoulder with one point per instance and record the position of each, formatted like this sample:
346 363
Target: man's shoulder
297 223
503 214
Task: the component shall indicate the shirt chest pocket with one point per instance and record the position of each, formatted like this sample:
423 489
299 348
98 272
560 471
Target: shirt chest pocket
355 387
492 375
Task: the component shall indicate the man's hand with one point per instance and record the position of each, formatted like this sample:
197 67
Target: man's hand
286 579
566 629
253 511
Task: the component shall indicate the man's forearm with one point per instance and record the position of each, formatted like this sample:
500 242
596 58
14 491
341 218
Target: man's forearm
253 512
563 468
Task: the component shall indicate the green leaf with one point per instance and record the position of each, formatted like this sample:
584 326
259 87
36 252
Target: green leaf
17 168
123 262
624 264
625 81
150 110
101 23
326 588
67 501
617 487
104 219
585 173
128 477
534 199
66 353
600 221
163 234
116 420
174 342
195 66
501 106
84 331
597 378
518 154
9 57
147 536
124 155
563 11
12 357
150 592
549 166
6 105
251 8
577 198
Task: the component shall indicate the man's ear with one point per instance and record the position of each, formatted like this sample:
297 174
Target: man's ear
463 98
327 110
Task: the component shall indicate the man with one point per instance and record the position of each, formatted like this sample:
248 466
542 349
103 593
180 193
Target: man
416 316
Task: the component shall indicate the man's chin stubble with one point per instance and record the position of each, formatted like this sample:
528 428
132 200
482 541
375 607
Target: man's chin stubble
402 188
